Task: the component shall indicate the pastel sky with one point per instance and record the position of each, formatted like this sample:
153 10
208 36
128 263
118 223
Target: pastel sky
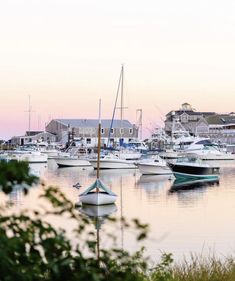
67 54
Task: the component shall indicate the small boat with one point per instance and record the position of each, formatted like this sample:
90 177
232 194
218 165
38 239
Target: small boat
191 167
98 194
72 161
98 197
28 156
111 161
154 166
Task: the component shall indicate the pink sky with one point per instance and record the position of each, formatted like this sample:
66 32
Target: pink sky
68 54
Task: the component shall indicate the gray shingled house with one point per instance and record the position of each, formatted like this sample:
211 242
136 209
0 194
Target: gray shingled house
87 129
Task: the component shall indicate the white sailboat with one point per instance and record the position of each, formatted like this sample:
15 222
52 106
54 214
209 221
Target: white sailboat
98 194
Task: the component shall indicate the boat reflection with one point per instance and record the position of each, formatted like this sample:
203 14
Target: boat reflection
98 214
100 211
180 184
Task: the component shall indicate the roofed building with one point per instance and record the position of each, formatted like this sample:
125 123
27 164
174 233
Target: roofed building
87 129
188 116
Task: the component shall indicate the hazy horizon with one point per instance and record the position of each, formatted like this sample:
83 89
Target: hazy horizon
68 54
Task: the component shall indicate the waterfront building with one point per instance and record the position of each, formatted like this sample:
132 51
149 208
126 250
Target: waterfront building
87 130
33 137
220 128
189 118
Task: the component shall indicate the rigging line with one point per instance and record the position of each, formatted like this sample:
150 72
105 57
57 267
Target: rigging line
114 109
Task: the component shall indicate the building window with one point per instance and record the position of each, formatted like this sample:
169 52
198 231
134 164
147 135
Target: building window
184 118
121 131
111 130
131 131
88 141
102 131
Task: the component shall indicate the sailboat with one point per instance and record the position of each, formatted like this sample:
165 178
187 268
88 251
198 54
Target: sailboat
122 159
98 194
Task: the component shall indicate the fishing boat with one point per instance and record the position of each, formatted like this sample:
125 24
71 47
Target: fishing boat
191 167
98 194
154 165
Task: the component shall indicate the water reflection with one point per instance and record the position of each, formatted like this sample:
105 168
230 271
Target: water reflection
98 214
154 183
180 184
98 211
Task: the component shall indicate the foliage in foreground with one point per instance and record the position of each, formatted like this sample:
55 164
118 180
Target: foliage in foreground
32 249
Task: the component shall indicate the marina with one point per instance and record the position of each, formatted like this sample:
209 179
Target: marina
182 222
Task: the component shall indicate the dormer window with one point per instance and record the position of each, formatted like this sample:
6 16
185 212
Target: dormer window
111 130
184 118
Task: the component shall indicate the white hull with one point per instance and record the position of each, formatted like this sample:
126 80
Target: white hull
98 211
148 169
113 164
225 156
169 155
29 157
129 156
97 198
72 162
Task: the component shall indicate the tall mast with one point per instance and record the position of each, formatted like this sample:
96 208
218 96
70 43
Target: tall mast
29 116
121 108
99 136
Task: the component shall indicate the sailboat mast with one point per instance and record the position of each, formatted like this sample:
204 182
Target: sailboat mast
121 109
99 144
29 111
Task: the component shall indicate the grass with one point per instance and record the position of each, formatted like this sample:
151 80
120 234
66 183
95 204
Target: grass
195 269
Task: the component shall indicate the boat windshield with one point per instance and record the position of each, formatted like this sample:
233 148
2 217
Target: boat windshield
188 159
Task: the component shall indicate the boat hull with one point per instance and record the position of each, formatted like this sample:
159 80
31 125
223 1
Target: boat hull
29 157
148 169
72 162
97 198
113 164
194 172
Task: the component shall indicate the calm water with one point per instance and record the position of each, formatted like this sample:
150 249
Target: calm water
198 220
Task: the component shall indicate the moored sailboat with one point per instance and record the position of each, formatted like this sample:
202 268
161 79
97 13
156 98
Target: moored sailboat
98 193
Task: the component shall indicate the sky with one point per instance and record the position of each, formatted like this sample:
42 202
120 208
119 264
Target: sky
66 54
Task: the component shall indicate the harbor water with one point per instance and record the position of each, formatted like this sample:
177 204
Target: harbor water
195 220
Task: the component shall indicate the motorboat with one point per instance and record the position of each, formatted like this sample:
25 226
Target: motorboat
72 161
28 156
128 154
169 154
154 165
206 150
111 161
191 167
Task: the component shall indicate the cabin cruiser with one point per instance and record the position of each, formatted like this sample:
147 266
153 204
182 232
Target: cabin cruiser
72 161
154 165
191 167
28 156
206 150
111 161
78 158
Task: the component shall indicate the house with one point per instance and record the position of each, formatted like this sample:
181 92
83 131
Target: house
189 118
33 136
87 130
